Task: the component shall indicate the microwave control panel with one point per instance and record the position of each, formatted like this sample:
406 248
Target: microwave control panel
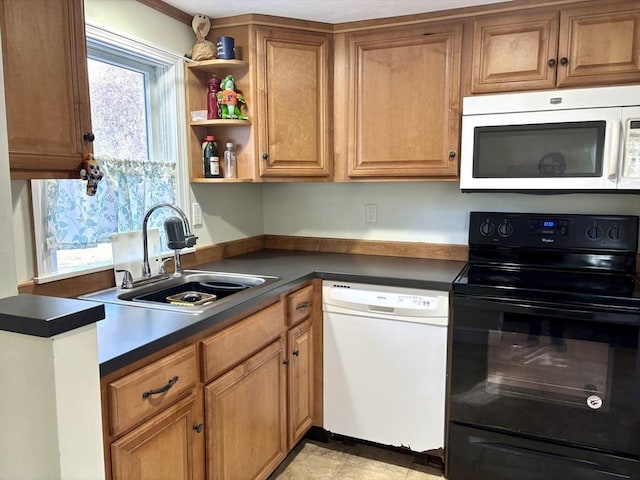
632 149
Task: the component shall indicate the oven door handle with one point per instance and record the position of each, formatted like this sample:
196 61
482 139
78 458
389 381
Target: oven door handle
517 450
600 314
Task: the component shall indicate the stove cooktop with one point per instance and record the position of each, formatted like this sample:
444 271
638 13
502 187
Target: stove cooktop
552 258
550 286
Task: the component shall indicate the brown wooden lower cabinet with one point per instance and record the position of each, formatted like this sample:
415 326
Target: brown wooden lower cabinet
169 446
245 416
253 402
301 385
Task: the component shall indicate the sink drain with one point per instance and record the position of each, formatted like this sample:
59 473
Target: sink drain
191 298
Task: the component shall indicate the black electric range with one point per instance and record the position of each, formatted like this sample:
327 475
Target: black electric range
545 364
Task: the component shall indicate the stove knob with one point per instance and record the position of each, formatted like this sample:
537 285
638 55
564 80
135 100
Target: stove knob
487 228
594 232
615 233
505 229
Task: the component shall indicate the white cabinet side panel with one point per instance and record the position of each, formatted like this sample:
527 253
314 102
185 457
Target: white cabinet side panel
28 437
77 384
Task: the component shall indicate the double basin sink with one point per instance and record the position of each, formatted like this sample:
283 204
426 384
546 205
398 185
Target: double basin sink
193 291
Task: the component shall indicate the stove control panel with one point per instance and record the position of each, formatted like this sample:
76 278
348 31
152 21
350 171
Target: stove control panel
554 231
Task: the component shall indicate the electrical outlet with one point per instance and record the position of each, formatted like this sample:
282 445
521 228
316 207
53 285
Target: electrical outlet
371 213
196 214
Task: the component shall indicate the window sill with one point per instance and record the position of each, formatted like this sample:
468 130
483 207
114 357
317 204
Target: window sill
71 273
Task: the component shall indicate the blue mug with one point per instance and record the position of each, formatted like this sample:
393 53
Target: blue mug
225 48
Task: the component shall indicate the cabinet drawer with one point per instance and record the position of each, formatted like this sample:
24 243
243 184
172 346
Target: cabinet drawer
299 305
141 394
229 347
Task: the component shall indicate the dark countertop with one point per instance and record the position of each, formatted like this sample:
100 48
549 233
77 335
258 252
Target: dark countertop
129 334
42 316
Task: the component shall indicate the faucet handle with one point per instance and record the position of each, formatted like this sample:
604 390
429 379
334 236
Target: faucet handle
127 278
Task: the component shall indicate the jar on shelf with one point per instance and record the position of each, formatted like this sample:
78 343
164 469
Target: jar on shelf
229 161
210 157
213 109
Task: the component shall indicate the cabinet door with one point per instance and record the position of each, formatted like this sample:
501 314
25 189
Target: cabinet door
245 412
294 103
515 52
403 102
46 87
301 385
599 44
169 446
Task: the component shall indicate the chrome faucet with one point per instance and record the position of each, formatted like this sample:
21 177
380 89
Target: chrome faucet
187 239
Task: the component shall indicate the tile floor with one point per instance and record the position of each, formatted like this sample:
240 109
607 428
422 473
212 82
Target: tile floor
336 460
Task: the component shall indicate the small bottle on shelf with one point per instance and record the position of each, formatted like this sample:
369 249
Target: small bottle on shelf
210 157
229 161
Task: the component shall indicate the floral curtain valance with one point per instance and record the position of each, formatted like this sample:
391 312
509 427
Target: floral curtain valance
127 191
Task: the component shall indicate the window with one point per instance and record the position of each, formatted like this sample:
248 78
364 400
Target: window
135 100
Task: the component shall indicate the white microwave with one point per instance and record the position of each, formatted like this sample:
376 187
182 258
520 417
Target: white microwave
552 141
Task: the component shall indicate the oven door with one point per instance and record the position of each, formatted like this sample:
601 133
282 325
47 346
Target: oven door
547 372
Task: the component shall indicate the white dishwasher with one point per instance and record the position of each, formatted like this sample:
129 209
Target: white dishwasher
385 356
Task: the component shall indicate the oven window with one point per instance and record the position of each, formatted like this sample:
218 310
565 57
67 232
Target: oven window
570 149
543 365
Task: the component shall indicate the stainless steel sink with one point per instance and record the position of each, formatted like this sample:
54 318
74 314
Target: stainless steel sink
193 291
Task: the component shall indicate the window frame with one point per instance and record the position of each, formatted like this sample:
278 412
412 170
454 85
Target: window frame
171 102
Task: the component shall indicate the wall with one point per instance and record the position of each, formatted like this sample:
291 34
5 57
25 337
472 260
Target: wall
8 279
135 20
432 212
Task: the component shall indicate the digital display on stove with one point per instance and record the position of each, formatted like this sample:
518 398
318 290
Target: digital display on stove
548 226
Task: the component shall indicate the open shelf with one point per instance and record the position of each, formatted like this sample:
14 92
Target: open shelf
217 64
220 180
219 122
236 131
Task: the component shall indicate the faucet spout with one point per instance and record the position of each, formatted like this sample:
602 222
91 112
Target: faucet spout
189 238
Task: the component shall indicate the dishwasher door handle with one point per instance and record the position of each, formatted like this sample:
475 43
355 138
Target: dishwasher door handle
380 309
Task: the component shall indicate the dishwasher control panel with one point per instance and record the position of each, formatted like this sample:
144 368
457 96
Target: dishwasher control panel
385 300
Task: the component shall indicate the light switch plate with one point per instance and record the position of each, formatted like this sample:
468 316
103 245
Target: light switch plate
196 214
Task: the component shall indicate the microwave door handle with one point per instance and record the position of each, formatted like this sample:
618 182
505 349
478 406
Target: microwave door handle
614 149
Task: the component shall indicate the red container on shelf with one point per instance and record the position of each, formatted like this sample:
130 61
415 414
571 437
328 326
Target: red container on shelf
213 110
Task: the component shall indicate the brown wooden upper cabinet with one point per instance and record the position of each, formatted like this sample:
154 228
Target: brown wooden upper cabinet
401 100
294 81
571 47
46 87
